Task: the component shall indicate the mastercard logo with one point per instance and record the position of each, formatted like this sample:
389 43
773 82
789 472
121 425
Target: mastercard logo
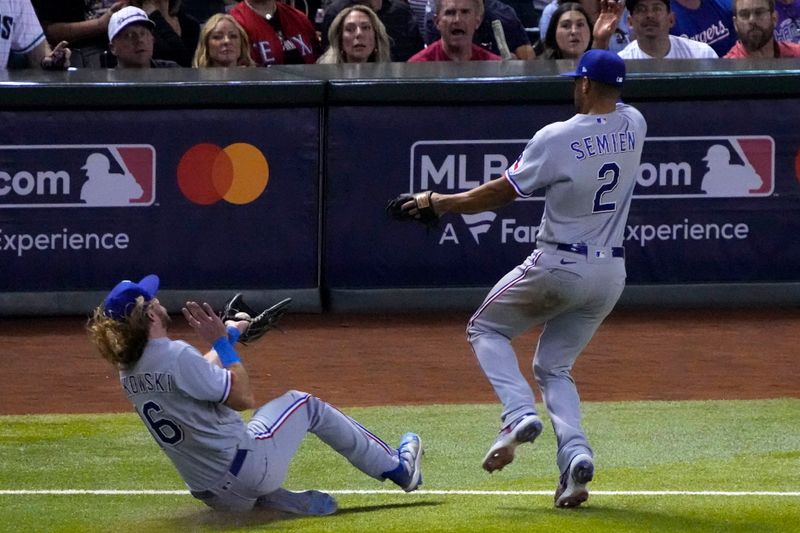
238 173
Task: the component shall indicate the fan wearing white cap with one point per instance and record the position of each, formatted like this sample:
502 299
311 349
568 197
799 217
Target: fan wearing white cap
587 167
130 40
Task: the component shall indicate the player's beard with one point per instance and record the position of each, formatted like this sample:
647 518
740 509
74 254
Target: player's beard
755 38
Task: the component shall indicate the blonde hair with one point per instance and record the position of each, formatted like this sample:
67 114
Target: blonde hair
201 58
335 53
120 342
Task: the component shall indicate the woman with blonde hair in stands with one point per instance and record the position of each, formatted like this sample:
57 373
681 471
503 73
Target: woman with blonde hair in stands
223 43
356 35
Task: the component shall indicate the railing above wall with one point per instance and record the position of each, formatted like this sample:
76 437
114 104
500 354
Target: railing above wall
485 81
487 96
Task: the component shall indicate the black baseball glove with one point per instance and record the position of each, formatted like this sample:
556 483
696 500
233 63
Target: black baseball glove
421 201
261 323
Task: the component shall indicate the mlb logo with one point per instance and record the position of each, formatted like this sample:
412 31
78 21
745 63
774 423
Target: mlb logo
37 176
119 176
739 166
703 167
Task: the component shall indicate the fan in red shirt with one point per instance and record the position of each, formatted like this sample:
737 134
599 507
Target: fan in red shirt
457 21
279 34
755 24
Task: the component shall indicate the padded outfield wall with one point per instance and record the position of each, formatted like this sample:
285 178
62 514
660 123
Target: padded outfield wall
273 181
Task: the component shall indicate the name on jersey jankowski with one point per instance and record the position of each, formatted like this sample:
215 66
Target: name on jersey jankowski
147 382
607 143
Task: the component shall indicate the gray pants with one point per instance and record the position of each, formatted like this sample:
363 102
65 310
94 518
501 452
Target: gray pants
570 295
275 433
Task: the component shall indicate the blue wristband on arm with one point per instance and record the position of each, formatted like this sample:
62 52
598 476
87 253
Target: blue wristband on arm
227 354
233 334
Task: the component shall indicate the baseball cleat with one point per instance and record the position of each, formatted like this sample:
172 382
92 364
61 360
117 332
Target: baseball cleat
408 474
526 429
572 491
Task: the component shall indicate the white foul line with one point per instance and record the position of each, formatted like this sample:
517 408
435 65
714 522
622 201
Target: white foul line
104 492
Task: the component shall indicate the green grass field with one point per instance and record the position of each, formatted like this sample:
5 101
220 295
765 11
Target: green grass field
652 459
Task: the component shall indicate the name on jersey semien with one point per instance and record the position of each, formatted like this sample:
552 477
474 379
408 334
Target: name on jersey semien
147 382
607 143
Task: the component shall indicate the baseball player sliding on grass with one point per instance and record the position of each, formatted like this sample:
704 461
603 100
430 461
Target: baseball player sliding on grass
188 401
587 166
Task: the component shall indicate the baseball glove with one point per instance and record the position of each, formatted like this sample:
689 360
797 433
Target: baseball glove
260 324
421 202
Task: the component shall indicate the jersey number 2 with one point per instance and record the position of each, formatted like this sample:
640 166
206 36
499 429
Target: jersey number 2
599 206
165 429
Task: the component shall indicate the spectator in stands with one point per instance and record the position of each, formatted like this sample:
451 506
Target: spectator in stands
279 34
456 21
420 8
223 43
525 11
788 26
569 33
176 33
130 37
619 39
82 23
516 37
651 21
202 10
755 23
707 21
24 37
396 16
356 35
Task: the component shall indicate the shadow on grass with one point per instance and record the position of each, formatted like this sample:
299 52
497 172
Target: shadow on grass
206 519
624 519
385 506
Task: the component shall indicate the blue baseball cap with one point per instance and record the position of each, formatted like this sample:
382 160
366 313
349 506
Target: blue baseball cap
600 65
122 298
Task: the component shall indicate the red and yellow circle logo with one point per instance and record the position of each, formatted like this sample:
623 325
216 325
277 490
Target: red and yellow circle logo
238 173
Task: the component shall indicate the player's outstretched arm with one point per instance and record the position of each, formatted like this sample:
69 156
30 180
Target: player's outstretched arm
490 195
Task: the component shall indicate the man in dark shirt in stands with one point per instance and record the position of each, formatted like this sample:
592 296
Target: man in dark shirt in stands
82 23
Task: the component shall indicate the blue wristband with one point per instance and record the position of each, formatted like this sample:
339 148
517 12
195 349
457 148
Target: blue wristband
227 354
233 334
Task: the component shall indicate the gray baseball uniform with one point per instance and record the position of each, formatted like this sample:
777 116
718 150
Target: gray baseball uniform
226 463
573 279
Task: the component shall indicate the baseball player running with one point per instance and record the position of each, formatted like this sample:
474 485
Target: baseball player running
587 166
188 401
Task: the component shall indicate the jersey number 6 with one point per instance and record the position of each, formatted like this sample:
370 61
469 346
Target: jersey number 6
165 429
599 206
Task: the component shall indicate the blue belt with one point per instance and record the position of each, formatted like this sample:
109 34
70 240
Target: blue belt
582 249
236 465
238 460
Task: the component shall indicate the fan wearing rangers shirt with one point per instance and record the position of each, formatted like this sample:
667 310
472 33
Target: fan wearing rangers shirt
21 33
188 401
279 34
587 167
